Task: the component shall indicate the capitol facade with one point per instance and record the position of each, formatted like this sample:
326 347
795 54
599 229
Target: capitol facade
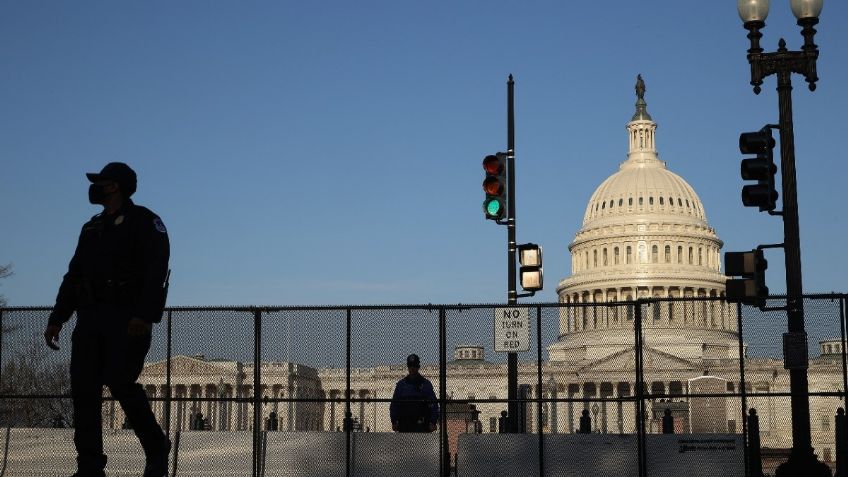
644 235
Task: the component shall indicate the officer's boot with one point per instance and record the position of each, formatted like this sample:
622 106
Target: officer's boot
156 463
91 467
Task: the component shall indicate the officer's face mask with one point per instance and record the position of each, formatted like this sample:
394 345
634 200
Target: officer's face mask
97 193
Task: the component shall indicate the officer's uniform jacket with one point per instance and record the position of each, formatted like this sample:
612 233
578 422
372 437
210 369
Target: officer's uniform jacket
122 260
408 407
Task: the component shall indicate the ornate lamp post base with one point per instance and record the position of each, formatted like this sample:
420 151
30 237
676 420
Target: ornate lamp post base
803 465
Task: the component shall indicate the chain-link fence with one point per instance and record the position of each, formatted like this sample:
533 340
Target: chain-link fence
633 388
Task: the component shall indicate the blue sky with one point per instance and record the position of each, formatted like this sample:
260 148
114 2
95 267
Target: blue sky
329 152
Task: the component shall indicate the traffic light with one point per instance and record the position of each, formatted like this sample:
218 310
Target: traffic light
751 289
530 258
760 168
495 186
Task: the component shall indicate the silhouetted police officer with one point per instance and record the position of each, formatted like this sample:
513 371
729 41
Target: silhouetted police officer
116 285
414 407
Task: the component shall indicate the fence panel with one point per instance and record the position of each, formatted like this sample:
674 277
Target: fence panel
201 377
303 369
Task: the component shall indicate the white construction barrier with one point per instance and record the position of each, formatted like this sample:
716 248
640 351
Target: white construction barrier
322 454
491 455
305 454
695 455
215 454
667 455
390 454
608 454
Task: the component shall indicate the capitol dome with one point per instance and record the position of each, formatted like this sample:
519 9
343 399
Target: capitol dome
644 235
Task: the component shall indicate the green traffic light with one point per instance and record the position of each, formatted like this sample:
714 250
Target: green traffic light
493 208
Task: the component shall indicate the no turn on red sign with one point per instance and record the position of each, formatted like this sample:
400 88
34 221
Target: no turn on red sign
512 329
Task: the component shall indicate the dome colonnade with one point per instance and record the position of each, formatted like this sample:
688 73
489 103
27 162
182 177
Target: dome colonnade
644 235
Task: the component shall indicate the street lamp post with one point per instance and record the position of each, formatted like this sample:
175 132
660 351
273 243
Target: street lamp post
783 63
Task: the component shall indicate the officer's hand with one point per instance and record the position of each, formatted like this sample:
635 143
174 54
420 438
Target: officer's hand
51 336
138 327
432 426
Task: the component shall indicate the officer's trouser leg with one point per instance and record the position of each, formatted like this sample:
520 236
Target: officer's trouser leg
122 375
87 393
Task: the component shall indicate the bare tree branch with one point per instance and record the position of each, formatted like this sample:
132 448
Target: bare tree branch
5 271
30 372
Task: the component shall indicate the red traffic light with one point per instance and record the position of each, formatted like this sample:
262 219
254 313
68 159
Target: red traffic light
493 165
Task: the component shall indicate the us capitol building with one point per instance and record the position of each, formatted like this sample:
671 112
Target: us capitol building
644 234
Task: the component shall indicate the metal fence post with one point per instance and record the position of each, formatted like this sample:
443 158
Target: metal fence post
257 390
844 350
444 469
743 389
841 444
539 391
347 419
168 393
640 389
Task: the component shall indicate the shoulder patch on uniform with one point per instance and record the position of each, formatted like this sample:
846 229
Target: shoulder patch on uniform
157 222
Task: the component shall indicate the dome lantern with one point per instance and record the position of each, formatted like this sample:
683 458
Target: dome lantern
642 132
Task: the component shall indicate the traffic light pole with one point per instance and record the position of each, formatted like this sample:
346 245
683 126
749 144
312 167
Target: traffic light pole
802 449
512 293
782 63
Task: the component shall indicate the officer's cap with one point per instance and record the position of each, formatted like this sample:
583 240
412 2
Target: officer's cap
118 172
413 361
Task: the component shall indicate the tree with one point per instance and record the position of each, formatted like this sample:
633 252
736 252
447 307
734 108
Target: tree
5 271
28 369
